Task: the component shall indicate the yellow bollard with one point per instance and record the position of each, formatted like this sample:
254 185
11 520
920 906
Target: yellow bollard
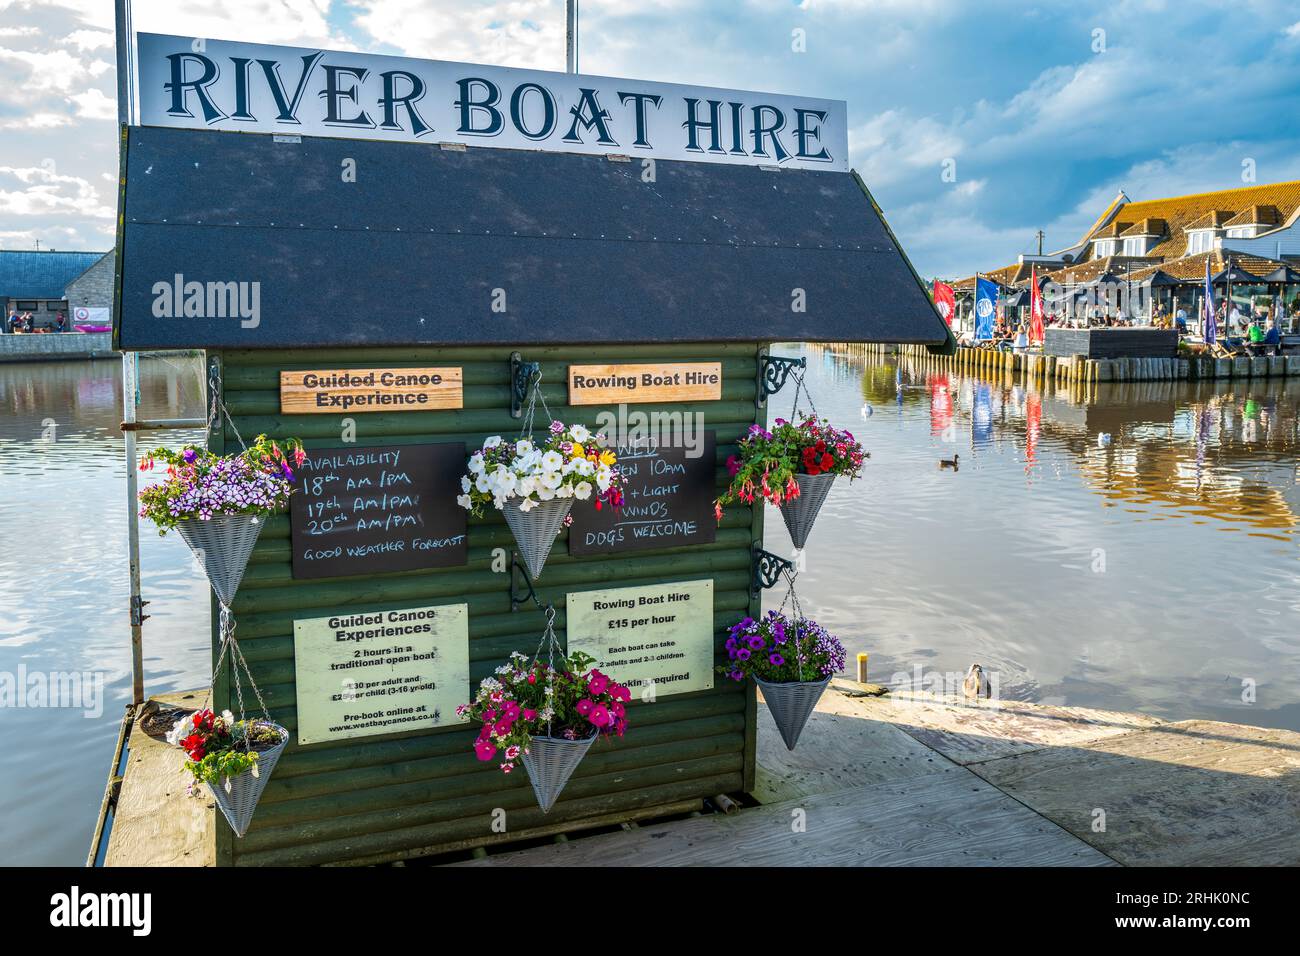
862 668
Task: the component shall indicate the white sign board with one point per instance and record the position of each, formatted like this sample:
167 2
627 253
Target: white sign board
380 672
250 87
658 636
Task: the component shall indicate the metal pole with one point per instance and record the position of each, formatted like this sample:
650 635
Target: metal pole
130 375
130 387
570 36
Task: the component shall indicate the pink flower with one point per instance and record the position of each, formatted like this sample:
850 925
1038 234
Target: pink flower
733 465
529 713
619 692
585 706
502 727
512 752
485 750
600 716
598 683
506 767
490 716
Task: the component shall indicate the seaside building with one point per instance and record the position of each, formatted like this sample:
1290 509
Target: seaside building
1161 246
37 282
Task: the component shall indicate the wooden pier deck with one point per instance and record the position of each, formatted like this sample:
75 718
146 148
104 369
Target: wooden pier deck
900 780
917 780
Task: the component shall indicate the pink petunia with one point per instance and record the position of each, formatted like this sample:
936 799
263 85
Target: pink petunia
485 750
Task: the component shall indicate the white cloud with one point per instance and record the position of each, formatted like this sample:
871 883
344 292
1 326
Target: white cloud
93 104
85 40
39 191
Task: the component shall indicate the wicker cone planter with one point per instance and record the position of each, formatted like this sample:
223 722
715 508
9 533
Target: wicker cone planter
791 705
222 544
237 796
550 763
800 513
535 530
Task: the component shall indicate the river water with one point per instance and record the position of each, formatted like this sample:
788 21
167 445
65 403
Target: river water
1132 547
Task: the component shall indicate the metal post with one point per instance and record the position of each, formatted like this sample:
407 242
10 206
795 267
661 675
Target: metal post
570 36
130 374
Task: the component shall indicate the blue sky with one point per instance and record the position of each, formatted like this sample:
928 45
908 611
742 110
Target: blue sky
1044 111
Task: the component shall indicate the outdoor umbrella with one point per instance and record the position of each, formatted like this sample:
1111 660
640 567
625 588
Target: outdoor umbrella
1235 274
1283 275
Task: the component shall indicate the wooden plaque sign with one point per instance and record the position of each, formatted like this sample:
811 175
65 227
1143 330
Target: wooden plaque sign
658 382
376 510
344 391
668 501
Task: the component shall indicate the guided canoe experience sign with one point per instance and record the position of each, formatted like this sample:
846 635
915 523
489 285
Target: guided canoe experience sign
668 501
348 390
200 83
380 672
377 510
659 636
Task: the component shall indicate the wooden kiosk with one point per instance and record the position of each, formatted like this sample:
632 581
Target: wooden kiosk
413 277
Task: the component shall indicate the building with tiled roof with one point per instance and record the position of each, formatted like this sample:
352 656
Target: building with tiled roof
35 282
1257 226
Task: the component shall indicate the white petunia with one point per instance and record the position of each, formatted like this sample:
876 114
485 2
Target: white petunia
552 461
545 494
464 483
580 433
583 490
551 479
463 501
476 464
492 442
481 483
527 504
523 446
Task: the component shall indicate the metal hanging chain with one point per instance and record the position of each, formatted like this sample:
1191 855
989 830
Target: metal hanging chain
215 414
551 643
237 661
793 599
801 388
534 394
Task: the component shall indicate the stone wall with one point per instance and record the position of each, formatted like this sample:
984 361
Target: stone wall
56 346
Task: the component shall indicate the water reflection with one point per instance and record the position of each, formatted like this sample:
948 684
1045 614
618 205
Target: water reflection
1124 545
63 588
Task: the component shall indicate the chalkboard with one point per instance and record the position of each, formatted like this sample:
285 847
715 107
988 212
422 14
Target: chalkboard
375 510
669 501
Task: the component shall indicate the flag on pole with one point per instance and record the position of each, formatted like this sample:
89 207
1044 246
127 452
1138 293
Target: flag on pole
1207 309
986 308
945 300
1035 309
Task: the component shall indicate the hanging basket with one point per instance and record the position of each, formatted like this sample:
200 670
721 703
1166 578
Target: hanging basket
801 512
791 705
535 530
237 796
550 763
222 545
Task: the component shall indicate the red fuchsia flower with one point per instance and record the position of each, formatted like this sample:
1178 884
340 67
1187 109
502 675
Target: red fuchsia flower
717 510
585 706
791 488
600 716
299 456
485 750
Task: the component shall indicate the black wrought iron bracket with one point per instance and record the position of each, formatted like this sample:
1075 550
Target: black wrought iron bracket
528 595
767 570
521 380
215 399
773 372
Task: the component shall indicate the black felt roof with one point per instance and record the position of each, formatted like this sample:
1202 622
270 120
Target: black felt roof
583 249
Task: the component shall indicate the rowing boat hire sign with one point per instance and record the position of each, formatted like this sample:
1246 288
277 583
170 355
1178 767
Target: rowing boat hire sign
630 384
349 390
254 88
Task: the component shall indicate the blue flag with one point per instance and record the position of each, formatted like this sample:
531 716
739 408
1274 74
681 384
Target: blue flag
1211 327
986 309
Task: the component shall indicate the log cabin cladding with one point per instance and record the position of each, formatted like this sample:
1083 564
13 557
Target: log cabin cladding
383 798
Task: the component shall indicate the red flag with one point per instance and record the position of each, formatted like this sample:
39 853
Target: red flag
1035 309
945 300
